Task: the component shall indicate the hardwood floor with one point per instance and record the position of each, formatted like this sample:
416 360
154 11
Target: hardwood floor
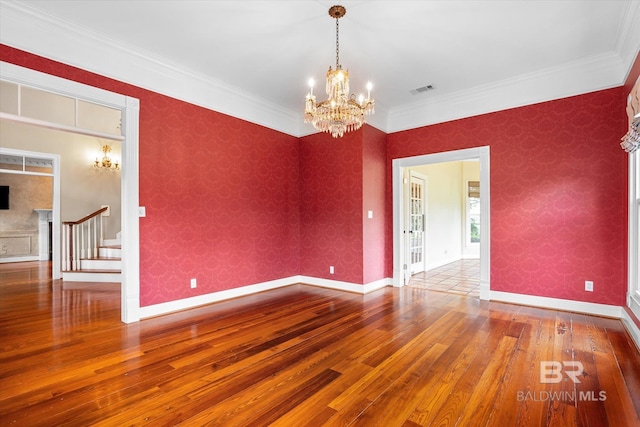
305 356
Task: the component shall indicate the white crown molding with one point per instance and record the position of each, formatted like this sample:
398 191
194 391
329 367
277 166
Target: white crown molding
27 29
583 76
587 75
628 40
80 47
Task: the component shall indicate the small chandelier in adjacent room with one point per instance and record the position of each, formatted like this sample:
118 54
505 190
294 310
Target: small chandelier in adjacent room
106 162
342 112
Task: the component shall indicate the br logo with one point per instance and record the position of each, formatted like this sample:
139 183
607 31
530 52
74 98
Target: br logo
551 371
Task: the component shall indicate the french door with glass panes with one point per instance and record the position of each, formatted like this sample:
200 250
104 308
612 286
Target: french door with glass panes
417 221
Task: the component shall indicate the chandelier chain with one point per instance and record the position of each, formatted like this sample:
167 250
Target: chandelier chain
337 43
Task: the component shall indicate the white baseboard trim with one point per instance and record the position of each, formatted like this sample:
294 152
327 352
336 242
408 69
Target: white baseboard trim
192 302
345 286
485 291
530 300
595 309
632 328
559 304
21 259
186 303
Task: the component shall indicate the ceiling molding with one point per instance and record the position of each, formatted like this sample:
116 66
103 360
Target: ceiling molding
80 47
601 72
73 45
628 40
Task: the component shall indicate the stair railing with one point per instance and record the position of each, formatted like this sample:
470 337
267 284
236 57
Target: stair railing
81 239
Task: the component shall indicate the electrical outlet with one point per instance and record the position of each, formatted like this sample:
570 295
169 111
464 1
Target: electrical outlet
194 283
588 286
331 270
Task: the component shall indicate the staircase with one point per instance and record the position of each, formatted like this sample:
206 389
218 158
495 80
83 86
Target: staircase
87 257
107 267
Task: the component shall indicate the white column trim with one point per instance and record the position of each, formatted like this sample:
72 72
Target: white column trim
130 233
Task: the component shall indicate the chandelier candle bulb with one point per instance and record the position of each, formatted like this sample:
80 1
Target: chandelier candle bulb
311 84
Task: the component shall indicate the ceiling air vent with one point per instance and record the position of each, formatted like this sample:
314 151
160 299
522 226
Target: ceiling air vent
422 89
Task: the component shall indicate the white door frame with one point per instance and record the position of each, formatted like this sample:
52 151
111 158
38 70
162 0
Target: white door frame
130 107
398 166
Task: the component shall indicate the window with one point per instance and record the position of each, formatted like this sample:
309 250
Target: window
473 212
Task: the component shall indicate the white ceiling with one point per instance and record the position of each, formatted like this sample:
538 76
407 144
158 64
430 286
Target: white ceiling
252 59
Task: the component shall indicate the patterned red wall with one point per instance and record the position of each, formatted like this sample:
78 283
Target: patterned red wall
558 183
373 199
558 193
221 194
331 206
222 200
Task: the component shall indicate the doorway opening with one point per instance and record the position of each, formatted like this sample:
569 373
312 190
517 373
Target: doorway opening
75 95
450 252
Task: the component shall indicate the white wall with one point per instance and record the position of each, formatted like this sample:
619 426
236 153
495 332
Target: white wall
83 189
444 213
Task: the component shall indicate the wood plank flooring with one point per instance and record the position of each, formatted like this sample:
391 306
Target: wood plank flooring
305 356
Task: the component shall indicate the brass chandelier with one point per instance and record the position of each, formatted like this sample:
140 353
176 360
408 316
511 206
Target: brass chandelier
106 163
341 112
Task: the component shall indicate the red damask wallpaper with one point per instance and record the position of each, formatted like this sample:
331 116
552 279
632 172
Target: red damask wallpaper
373 199
331 206
232 203
221 194
558 193
222 200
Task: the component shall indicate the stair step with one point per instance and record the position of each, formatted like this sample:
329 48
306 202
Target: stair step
113 251
101 264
